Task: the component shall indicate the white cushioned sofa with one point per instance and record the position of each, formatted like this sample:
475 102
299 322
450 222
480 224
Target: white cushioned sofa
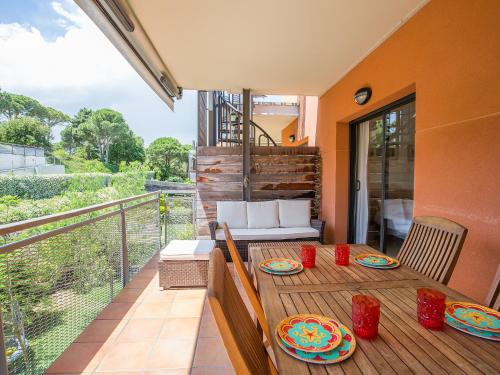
265 221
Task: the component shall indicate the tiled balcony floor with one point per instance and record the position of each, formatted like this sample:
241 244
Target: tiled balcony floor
146 330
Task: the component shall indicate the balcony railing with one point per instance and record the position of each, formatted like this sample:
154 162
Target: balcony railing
58 272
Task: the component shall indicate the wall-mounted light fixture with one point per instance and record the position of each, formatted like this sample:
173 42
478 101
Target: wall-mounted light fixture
362 96
291 138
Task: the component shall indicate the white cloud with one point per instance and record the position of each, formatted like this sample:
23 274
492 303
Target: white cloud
81 58
82 68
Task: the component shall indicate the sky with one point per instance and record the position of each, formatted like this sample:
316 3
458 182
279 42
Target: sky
51 51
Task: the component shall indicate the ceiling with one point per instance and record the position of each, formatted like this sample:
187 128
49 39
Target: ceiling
270 46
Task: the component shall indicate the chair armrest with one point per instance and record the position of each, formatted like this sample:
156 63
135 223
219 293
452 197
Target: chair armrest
212 225
319 225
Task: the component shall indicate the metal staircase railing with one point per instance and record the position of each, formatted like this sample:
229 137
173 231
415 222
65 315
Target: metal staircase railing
229 122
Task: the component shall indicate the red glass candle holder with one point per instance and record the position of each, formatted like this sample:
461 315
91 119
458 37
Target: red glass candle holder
308 254
430 308
365 316
342 254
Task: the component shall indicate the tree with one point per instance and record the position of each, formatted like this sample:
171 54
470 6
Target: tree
14 106
27 131
168 158
52 117
74 136
127 148
103 128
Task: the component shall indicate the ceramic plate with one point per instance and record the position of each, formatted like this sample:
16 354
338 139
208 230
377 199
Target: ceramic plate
475 316
309 333
339 354
280 264
376 261
277 273
471 331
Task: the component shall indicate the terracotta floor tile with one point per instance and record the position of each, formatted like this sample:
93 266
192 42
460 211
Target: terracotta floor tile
172 354
212 371
211 352
191 294
137 372
140 330
126 356
77 358
160 295
117 310
101 330
152 310
177 371
129 295
180 328
148 272
187 308
139 283
208 327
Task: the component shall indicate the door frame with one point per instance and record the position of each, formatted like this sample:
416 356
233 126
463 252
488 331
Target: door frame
353 135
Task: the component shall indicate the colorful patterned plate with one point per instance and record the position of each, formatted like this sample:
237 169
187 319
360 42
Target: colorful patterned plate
277 273
475 316
310 333
339 354
471 331
280 265
376 261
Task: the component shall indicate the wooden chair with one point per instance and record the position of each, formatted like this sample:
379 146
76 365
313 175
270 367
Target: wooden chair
493 298
241 338
433 246
246 280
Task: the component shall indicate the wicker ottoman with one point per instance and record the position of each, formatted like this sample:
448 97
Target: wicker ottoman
184 263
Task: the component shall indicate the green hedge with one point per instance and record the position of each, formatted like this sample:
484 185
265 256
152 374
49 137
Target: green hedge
42 187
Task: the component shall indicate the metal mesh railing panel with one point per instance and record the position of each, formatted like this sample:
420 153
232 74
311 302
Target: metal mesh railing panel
143 235
52 289
179 218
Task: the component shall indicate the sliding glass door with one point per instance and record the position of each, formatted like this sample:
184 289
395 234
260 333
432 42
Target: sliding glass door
383 154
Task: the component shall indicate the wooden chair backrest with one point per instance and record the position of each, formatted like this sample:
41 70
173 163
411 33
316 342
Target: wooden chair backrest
246 280
493 299
241 338
433 246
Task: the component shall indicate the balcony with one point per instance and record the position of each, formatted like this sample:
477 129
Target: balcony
80 293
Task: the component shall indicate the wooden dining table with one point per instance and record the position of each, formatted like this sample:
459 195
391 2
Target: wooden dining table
403 346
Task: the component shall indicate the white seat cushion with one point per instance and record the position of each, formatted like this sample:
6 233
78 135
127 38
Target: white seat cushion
188 250
262 215
269 234
294 213
393 211
233 213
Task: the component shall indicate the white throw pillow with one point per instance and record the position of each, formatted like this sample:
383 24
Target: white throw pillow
393 210
233 213
294 213
263 215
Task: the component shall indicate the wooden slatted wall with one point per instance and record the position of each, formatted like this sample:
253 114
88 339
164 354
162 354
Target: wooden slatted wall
276 173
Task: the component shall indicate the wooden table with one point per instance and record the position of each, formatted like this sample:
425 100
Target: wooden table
402 347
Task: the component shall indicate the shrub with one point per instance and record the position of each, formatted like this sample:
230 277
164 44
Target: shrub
42 187
33 187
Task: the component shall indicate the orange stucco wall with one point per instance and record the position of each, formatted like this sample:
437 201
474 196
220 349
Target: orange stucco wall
291 128
449 54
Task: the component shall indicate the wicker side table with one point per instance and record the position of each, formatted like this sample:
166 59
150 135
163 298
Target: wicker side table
184 263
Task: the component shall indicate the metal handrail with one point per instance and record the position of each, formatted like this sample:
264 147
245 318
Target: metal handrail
30 223
234 109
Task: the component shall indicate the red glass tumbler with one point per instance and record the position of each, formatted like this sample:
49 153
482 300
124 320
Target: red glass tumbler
365 316
342 254
308 254
430 308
